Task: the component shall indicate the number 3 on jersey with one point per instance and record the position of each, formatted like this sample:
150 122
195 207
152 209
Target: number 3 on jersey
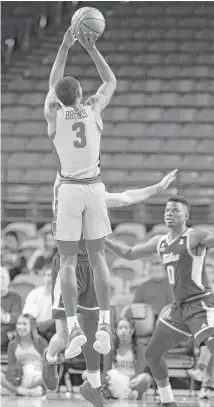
79 128
171 274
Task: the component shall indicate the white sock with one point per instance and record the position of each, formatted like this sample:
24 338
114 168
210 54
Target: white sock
104 316
71 321
51 359
166 395
94 379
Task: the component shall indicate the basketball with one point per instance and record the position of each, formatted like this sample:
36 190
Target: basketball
88 19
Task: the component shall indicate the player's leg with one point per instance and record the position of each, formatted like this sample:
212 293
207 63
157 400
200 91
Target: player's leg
56 345
96 226
166 335
91 390
207 386
200 320
197 372
68 208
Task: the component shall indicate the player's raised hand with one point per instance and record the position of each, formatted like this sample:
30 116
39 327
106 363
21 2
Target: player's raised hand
168 179
87 39
69 38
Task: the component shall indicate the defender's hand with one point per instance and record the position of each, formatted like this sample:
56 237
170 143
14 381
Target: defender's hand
69 38
168 179
87 40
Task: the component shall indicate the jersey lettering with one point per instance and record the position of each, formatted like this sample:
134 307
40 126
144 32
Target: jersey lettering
171 274
185 271
79 128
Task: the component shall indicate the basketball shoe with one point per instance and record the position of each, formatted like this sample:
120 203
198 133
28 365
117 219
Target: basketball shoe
94 396
76 339
103 338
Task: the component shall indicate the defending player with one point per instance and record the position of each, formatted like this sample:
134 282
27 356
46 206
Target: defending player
79 197
87 304
183 252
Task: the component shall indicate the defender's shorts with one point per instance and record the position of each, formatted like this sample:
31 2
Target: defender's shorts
77 208
193 318
87 300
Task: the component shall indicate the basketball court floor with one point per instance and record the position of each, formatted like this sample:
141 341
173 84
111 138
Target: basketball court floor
77 401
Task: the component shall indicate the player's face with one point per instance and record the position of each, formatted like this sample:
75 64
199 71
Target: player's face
175 214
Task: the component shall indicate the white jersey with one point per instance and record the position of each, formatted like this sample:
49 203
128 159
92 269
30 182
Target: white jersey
77 142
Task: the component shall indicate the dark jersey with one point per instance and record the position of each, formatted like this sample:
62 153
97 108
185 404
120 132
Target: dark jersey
185 270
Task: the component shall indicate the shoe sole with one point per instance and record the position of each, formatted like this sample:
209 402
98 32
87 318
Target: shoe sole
75 346
103 343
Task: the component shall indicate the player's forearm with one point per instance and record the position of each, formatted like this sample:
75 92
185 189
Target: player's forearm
104 70
58 69
120 249
139 195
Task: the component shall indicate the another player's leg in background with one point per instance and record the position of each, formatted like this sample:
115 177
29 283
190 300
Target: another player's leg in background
100 269
68 284
91 389
197 373
56 345
207 386
163 339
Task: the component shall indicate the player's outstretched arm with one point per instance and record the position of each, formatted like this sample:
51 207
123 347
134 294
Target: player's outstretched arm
58 68
107 76
57 73
135 196
135 252
203 237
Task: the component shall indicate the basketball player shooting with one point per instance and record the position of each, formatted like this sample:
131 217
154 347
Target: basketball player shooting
75 132
183 253
88 310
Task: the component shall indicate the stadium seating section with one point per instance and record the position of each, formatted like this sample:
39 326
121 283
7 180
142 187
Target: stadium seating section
160 118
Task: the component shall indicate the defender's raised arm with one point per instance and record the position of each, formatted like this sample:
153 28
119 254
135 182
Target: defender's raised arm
135 252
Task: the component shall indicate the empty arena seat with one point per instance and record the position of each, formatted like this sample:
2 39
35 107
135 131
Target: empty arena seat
31 129
205 115
48 160
23 160
18 143
38 113
14 175
16 113
46 175
41 144
9 98
7 128
33 99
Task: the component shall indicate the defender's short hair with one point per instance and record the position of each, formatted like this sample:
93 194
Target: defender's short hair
181 199
67 90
